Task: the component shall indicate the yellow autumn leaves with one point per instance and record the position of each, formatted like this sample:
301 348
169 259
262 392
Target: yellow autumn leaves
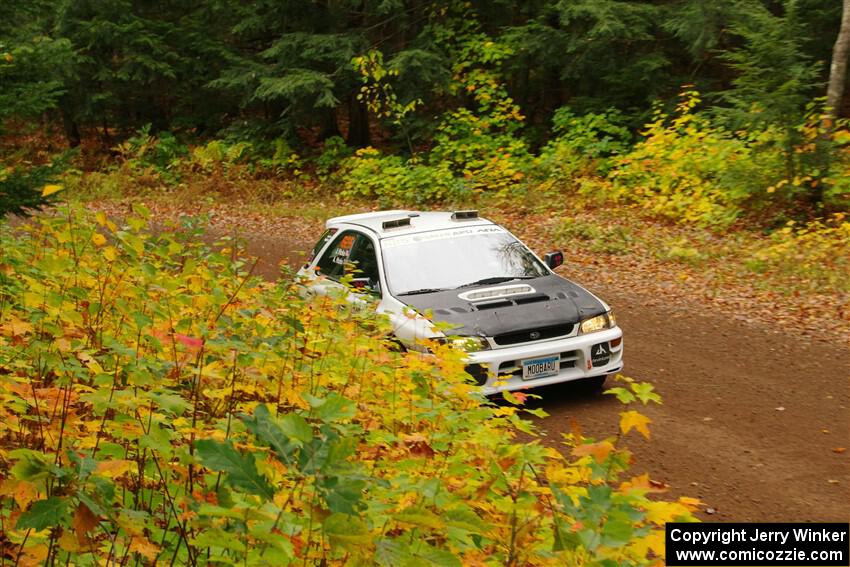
634 420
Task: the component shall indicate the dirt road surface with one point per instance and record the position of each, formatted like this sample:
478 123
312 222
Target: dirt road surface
753 421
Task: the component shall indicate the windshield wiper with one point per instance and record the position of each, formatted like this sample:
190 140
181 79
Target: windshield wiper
495 280
423 290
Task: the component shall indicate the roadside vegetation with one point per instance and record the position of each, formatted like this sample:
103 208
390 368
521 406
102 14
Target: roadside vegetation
160 404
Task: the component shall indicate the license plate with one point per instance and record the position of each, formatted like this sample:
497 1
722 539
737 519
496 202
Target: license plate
541 367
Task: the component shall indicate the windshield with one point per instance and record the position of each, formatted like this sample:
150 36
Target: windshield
448 259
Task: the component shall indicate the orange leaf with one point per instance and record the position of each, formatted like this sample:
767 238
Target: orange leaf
83 522
16 327
643 482
22 491
690 502
575 428
144 546
599 450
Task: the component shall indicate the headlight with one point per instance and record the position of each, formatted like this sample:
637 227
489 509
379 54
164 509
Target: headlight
598 323
470 344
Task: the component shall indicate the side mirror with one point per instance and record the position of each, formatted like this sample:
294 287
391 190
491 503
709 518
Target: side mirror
359 283
365 285
554 259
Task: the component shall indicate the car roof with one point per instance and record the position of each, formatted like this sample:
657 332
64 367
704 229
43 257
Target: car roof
420 221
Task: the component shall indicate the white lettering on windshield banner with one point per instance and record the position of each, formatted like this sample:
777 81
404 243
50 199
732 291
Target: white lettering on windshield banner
408 239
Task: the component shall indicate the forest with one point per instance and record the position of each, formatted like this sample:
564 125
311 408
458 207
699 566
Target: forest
162 404
450 99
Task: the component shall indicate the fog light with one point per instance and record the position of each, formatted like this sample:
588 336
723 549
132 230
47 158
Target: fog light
478 372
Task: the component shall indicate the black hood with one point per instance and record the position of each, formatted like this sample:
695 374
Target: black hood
556 303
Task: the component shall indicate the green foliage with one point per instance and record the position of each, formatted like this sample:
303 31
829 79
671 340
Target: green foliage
334 152
24 190
32 75
144 151
160 405
217 153
583 145
391 179
458 99
378 92
480 141
681 250
774 77
594 135
282 161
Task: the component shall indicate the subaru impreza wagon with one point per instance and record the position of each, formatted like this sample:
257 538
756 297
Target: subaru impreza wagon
520 324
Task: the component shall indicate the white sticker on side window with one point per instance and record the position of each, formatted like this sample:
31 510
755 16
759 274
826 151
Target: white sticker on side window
343 249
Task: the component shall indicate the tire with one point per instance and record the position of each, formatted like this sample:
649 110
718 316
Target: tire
595 382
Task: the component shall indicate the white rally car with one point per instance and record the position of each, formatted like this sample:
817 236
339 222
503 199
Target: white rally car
520 324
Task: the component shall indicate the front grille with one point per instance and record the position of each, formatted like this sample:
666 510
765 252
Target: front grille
514 367
538 334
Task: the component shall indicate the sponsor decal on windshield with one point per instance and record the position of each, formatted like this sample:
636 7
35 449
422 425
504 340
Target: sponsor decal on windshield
409 239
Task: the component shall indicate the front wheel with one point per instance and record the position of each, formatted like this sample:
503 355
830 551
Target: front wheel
594 382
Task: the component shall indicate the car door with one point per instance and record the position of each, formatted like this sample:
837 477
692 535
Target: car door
351 254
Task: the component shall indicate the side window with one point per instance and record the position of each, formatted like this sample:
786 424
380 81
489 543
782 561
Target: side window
351 253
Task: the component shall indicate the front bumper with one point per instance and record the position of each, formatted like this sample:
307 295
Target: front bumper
503 366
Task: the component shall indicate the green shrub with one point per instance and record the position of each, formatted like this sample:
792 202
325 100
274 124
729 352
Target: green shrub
481 149
219 153
391 179
25 190
334 152
686 169
145 154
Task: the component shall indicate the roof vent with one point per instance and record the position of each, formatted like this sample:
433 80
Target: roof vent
395 223
464 215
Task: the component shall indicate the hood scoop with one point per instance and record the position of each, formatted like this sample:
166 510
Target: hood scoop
505 292
531 298
493 304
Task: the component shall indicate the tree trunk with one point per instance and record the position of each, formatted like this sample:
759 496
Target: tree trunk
72 132
358 122
838 67
327 124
